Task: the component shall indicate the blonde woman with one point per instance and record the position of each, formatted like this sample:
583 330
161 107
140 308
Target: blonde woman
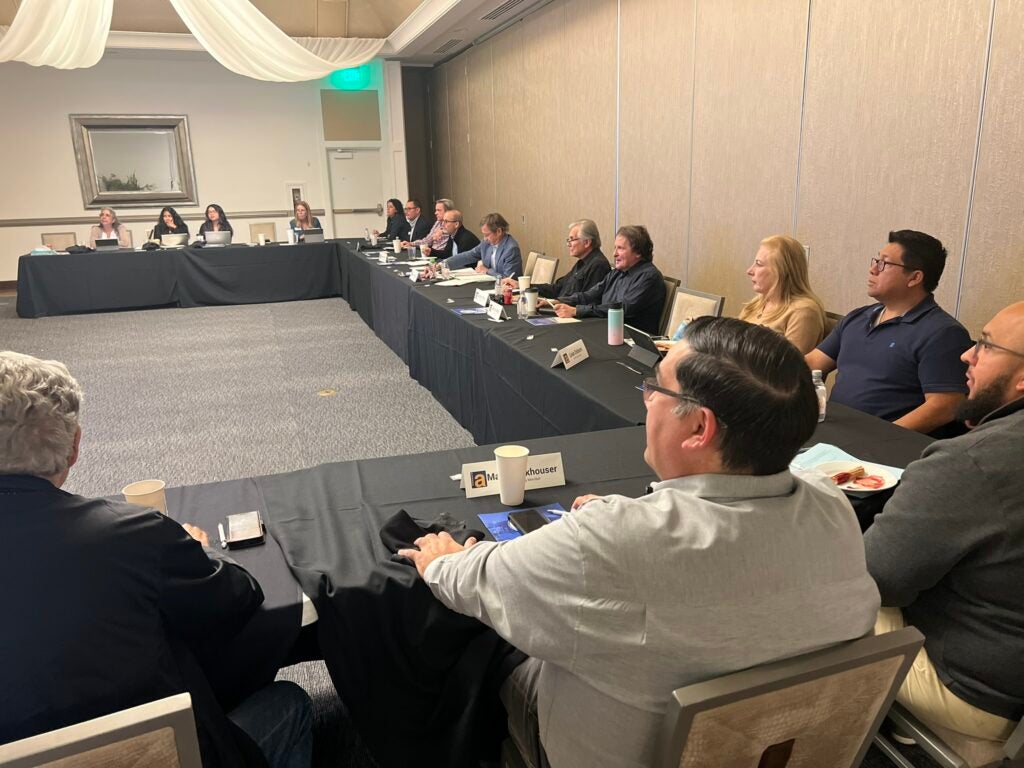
109 227
784 301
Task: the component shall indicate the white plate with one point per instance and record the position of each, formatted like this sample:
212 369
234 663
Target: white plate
830 468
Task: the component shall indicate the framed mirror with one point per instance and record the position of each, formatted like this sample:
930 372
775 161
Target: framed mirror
133 160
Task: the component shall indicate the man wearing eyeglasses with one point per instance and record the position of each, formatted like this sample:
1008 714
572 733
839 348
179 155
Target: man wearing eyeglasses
899 359
947 551
729 562
459 239
416 226
591 267
437 237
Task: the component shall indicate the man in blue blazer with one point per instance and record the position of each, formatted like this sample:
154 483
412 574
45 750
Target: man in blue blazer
497 254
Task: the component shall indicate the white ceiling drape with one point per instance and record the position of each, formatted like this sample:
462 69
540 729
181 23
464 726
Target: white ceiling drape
245 41
66 34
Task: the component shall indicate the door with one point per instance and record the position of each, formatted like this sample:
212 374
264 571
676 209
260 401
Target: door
356 191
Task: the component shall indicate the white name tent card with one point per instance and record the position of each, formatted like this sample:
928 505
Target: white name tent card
481 297
545 470
496 311
574 354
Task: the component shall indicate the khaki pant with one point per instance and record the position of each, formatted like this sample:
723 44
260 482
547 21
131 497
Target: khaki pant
924 694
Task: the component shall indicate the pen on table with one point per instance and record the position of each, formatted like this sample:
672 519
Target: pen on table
223 538
634 370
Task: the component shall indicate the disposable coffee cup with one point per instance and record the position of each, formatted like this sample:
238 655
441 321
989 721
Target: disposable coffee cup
524 283
146 493
373 240
512 461
531 301
262 239
397 245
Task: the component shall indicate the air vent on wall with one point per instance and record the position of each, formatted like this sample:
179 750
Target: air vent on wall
501 10
448 46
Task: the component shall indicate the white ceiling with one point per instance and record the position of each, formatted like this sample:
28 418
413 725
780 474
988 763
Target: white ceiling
422 33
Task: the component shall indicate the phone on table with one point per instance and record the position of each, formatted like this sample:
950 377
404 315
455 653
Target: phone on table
526 520
245 530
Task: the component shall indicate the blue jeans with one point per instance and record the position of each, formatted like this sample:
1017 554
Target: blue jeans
279 718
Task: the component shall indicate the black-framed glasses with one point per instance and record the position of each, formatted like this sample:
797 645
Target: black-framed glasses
571 240
880 264
449 221
980 343
650 384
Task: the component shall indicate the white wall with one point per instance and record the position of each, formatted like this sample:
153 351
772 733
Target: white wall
249 138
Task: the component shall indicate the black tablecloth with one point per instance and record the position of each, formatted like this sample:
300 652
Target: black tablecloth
262 647
57 284
495 381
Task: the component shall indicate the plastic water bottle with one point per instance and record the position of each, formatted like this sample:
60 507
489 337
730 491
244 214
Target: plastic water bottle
819 387
615 323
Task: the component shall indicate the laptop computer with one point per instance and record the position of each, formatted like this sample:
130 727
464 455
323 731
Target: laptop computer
218 238
312 236
169 240
107 244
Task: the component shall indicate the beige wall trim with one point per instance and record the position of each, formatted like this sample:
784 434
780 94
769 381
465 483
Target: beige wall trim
132 218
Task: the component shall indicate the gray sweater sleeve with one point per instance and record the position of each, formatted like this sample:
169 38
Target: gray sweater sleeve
929 525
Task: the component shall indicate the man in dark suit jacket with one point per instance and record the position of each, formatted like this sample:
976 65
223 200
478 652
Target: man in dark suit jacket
591 267
460 239
416 226
108 605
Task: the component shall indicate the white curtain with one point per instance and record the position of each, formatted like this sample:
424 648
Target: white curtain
66 34
245 41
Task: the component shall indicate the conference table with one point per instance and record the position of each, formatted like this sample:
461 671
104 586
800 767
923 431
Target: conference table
325 540
70 283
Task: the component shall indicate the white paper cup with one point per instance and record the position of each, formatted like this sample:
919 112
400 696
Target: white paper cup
512 461
397 245
423 250
147 493
373 240
524 282
531 301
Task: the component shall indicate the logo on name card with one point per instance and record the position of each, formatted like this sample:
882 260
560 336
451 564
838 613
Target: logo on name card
571 355
542 471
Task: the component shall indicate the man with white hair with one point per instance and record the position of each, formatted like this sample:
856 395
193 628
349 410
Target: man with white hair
107 605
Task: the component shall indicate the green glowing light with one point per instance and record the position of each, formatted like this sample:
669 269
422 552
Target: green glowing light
352 79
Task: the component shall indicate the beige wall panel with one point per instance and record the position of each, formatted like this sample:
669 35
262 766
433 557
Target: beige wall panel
890 124
439 124
654 134
747 90
483 181
511 140
458 129
568 120
994 269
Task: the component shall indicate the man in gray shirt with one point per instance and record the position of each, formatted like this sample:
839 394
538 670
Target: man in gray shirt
731 561
948 550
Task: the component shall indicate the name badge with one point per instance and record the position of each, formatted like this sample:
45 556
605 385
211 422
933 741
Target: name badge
545 470
496 311
481 297
574 354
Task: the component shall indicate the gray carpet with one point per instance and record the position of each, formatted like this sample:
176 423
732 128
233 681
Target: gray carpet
199 395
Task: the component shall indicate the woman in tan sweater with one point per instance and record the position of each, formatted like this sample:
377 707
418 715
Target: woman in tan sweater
785 301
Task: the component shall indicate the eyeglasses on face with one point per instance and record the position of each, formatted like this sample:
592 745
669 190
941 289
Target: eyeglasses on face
571 240
650 385
410 208
986 344
449 221
881 264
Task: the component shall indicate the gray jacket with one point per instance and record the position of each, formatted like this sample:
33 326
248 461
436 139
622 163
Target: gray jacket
949 550
626 599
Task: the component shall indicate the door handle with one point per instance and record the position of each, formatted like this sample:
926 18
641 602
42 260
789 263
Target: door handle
379 210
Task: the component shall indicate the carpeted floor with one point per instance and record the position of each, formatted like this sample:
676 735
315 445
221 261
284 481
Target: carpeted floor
198 395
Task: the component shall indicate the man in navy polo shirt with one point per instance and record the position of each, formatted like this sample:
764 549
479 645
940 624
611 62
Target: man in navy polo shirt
899 359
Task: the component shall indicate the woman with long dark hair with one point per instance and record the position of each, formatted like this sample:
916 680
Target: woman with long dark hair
396 220
216 220
169 223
